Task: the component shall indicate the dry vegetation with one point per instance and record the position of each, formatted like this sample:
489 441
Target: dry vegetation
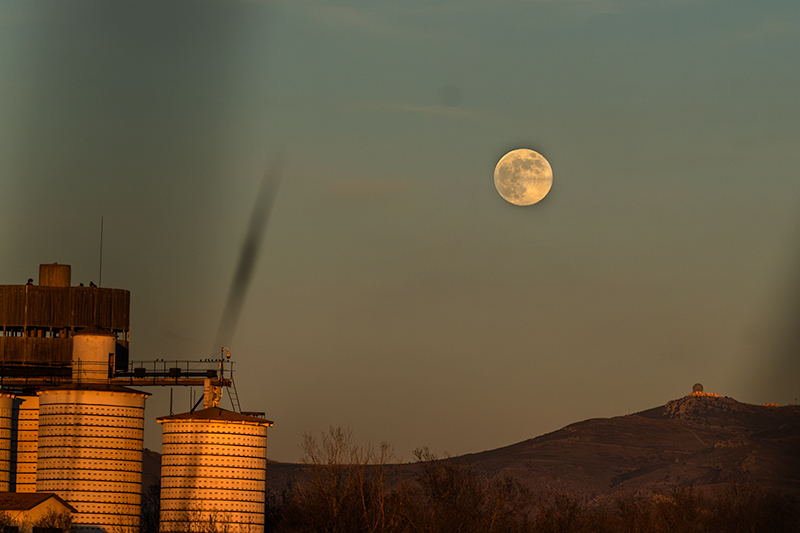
51 520
352 489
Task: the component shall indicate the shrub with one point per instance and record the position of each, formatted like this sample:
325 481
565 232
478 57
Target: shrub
352 489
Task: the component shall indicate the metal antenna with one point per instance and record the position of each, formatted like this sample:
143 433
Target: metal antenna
100 279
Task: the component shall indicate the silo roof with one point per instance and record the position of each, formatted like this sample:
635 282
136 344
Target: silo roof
99 387
216 413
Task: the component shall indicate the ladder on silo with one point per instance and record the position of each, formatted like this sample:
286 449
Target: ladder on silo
234 396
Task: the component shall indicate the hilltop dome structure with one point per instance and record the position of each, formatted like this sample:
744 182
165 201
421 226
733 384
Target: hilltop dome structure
698 387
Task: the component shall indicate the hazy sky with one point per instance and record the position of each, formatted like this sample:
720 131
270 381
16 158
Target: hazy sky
396 292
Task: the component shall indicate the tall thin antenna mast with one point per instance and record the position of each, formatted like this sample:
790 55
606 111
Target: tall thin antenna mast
100 280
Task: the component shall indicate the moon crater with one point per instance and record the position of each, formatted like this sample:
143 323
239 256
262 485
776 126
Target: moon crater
523 177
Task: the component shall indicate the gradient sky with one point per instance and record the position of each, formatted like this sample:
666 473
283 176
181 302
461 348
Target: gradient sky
396 293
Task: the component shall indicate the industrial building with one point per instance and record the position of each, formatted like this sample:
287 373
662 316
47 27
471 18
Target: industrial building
213 461
72 416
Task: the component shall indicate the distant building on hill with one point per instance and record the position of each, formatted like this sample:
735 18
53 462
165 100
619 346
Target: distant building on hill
697 390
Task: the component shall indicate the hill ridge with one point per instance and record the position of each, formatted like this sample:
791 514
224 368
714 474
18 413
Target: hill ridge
698 440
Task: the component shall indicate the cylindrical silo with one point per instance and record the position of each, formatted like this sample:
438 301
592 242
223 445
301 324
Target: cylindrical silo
6 406
90 453
93 352
55 275
213 467
24 442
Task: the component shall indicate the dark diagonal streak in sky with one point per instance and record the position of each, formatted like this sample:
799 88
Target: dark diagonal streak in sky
249 254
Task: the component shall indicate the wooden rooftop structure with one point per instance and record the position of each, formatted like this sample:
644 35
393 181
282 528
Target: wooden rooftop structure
38 324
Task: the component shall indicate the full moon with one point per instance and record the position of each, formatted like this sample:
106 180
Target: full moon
523 177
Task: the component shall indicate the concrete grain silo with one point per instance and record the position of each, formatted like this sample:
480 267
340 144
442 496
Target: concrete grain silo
90 453
70 425
24 442
213 467
6 406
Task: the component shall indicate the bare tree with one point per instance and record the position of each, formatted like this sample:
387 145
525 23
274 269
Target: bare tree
345 488
151 508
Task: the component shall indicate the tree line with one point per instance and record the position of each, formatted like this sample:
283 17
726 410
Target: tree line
358 489
352 489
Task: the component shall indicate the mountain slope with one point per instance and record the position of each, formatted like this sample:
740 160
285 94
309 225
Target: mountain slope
698 440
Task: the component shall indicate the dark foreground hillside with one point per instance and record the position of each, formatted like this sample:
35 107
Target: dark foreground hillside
698 464
699 441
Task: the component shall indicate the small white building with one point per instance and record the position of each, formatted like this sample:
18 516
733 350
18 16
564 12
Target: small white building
25 509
